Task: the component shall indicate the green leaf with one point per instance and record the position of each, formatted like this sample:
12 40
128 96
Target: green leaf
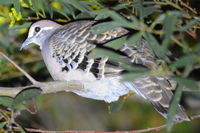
77 5
6 2
189 25
158 20
103 27
154 45
35 7
16 5
117 43
148 11
173 107
115 16
101 16
169 23
102 52
133 76
169 26
134 39
134 68
45 7
27 2
66 9
48 7
84 15
19 27
25 95
140 8
187 83
6 101
2 125
40 3
122 6
100 11
115 107
121 20
183 61
3 62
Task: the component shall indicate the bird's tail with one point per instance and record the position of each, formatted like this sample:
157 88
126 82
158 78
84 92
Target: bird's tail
157 90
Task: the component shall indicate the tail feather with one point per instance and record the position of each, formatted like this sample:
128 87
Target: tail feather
157 90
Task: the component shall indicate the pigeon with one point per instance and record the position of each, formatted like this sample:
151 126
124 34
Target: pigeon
65 50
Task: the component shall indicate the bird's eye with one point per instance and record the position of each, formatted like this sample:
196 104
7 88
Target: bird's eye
37 29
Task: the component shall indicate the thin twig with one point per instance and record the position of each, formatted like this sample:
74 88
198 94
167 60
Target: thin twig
33 81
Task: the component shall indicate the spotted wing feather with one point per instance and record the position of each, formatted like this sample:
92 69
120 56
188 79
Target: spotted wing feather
157 90
76 41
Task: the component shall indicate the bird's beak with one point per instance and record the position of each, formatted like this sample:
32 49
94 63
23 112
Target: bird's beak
27 43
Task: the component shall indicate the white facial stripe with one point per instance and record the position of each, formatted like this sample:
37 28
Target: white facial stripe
47 28
32 30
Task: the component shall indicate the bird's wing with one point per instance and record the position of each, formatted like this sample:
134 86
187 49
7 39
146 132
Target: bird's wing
74 41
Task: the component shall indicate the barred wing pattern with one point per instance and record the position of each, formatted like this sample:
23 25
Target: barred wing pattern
74 41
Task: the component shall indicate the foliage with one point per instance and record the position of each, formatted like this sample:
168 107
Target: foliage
170 27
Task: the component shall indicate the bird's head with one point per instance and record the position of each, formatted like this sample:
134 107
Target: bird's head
39 32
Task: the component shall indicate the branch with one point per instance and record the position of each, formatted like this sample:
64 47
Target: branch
46 87
153 129
33 81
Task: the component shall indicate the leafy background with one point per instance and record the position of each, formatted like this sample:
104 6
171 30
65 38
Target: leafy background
170 27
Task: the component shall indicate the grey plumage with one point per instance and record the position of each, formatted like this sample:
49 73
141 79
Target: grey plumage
65 51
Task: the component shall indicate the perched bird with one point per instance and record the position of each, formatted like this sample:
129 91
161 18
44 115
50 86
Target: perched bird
65 50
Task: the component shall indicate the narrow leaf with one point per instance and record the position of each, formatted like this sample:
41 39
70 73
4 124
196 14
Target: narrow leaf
2 125
16 5
140 8
121 20
115 107
84 15
173 107
134 68
182 62
189 25
117 43
148 11
19 27
115 16
103 27
6 101
25 95
154 44
133 39
133 76
77 5
102 52
168 28
41 5
35 7
6 2
101 16
158 20
187 83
